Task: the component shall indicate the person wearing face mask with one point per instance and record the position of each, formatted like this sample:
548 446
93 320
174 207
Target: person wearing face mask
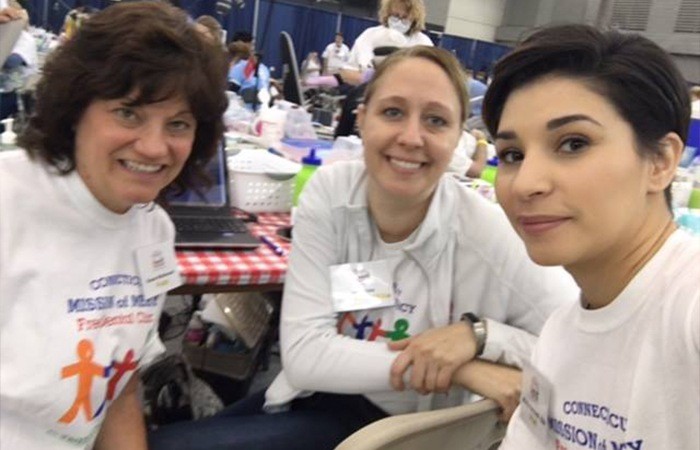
404 16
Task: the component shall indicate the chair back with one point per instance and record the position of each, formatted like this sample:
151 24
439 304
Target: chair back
468 427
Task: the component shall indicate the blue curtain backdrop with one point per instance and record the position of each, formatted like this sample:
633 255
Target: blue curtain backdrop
311 29
351 27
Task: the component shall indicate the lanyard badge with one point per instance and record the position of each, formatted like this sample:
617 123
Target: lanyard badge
361 285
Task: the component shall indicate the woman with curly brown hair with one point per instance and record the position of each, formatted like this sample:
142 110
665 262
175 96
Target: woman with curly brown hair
127 110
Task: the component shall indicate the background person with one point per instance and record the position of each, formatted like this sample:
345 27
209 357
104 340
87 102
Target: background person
248 76
389 212
695 101
335 55
237 51
590 127
117 123
311 66
404 16
211 27
74 19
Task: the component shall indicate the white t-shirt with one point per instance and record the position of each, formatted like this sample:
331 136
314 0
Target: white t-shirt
335 56
626 376
74 325
362 50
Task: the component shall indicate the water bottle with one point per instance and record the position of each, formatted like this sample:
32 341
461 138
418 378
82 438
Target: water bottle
8 137
488 173
309 165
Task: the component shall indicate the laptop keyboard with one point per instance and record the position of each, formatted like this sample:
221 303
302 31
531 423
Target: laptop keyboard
210 224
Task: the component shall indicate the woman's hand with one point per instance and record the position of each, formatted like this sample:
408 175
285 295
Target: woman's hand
500 383
433 356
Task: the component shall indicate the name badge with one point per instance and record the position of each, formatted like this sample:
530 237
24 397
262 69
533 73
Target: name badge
157 268
361 285
534 402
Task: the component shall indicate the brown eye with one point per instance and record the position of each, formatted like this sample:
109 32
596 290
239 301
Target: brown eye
574 145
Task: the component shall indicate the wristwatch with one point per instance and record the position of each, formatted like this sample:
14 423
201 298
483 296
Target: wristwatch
478 326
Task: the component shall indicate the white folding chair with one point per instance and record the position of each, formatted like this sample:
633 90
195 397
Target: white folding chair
468 427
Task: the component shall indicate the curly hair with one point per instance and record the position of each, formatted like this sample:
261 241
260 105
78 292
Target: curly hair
149 49
415 9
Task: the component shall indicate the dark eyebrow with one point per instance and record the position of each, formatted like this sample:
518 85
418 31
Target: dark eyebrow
552 124
561 121
506 135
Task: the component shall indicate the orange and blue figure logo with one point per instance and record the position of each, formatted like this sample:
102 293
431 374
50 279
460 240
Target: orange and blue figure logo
120 368
85 370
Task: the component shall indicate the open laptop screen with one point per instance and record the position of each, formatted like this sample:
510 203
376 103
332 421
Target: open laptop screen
216 195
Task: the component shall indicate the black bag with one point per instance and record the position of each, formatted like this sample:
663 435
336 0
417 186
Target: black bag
167 388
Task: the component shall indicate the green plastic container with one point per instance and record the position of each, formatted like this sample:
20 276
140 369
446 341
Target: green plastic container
489 174
694 202
309 165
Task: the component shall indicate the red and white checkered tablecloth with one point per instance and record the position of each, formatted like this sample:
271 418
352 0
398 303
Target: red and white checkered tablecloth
239 267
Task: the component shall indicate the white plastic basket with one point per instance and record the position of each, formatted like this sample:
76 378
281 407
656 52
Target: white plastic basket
261 181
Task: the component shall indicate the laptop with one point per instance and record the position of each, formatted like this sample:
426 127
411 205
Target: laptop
203 219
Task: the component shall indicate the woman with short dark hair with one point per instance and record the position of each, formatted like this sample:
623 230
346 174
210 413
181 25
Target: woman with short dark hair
589 128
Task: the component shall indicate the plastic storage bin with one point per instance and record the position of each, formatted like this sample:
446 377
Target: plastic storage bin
261 181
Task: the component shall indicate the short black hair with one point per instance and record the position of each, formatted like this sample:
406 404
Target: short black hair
633 73
242 36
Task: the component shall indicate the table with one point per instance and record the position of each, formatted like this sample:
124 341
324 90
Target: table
211 271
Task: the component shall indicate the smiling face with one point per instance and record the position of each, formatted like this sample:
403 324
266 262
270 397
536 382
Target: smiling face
410 128
570 178
127 154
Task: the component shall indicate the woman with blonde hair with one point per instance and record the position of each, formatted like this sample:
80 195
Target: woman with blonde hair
407 17
436 252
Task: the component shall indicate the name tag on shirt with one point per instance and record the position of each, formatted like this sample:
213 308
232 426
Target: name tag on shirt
157 268
534 402
362 285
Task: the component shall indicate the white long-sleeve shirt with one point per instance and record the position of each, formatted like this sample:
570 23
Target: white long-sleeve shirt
464 257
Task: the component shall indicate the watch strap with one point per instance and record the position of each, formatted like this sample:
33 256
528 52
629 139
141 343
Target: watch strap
478 326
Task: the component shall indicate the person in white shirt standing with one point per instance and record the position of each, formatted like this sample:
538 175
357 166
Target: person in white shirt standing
404 16
335 55
589 128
